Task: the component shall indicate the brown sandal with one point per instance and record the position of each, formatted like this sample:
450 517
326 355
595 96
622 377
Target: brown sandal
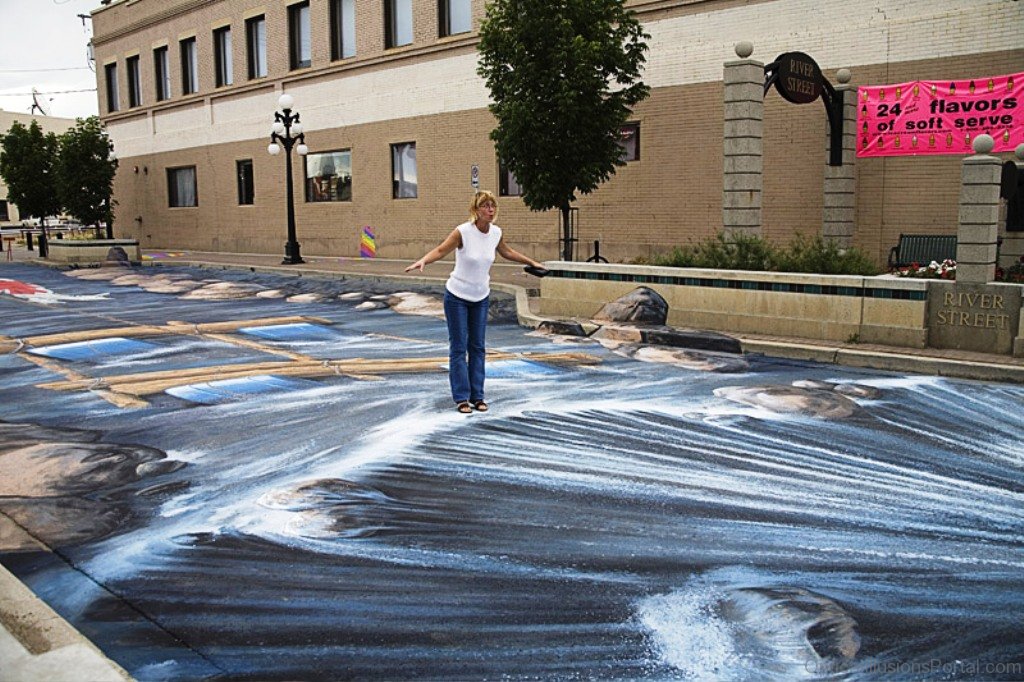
480 406
464 407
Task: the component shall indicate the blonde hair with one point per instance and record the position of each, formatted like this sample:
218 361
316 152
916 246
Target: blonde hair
482 197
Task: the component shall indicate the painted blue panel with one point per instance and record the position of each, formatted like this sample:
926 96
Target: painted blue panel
506 369
212 392
300 331
100 349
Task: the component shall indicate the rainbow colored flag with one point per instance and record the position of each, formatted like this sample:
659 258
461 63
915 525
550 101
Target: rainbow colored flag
367 243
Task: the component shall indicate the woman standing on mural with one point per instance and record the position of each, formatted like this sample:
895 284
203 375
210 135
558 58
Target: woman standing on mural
467 296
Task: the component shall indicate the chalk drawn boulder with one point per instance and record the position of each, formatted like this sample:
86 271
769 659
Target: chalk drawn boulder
809 402
640 306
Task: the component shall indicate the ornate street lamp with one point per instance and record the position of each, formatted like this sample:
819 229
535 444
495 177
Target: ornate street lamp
288 130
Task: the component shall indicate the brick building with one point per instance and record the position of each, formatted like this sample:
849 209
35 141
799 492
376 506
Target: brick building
396 118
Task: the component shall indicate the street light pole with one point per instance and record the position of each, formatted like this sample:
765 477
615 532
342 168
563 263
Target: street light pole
287 130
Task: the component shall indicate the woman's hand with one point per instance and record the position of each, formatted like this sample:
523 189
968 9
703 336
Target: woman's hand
418 265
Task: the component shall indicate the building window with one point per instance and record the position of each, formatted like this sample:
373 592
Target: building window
403 171
162 74
181 187
222 62
299 49
256 44
453 16
629 140
508 186
113 96
189 67
397 23
246 188
134 83
4 211
343 29
329 176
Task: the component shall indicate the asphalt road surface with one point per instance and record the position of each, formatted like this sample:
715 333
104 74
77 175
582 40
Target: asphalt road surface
241 476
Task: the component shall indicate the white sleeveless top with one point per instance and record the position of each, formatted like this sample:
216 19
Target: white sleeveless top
471 278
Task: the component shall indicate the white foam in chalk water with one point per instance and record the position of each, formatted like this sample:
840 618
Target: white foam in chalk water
299 331
213 392
98 349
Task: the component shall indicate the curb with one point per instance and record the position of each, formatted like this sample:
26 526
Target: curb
887 361
37 644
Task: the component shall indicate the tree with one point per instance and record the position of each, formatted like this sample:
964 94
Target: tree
27 159
85 173
563 76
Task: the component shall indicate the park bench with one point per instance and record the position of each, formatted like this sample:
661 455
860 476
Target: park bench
922 249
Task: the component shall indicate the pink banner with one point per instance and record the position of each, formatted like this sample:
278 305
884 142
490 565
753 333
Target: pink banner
940 117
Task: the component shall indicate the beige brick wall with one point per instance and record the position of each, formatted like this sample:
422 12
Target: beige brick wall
428 92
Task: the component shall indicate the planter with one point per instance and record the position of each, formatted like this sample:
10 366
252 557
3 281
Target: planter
821 307
85 251
905 312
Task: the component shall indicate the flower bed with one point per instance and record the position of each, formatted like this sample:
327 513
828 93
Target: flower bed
1014 273
934 270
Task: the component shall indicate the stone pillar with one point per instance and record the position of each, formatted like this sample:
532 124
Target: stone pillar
1012 249
840 184
979 214
744 162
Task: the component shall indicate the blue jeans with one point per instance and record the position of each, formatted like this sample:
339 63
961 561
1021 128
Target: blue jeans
467 326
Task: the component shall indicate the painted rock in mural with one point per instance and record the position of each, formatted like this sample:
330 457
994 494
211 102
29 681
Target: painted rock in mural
812 402
409 303
640 306
62 483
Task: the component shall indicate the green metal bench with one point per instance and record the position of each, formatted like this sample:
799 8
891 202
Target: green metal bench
922 249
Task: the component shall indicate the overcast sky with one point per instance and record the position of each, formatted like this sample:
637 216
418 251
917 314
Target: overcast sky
43 46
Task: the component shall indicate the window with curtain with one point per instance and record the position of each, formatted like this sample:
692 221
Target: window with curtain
454 16
181 187
113 95
189 67
629 140
300 47
403 171
162 74
246 186
223 64
256 46
329 176
508 186
397 23
134 83
343 29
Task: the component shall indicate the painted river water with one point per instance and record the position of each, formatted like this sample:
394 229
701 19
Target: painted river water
620 513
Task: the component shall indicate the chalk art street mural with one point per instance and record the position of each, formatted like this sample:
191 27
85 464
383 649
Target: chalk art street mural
227 475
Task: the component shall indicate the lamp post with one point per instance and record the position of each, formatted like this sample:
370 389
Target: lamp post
288 130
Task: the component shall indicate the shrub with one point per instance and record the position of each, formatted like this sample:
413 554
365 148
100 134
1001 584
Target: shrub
742 252
718 253
825 257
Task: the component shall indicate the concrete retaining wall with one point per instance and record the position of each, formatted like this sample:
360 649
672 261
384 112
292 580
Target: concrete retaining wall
90 250
834 308
910 313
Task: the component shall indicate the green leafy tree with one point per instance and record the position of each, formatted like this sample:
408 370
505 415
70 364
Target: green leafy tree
27 159
563 76
85 173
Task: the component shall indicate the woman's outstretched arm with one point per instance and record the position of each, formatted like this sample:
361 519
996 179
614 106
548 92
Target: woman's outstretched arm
450 243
